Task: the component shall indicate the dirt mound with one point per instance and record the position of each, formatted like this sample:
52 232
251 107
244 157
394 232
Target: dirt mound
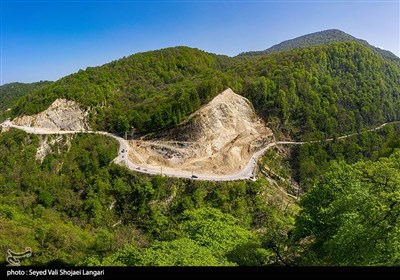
218 139
61 115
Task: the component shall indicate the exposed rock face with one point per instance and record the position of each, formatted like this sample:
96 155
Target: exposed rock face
222 120
217 139
61 115
43 150
4 129
53 144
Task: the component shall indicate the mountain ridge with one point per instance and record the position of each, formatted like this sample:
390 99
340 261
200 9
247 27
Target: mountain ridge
65 198
321 38
149 92
11 92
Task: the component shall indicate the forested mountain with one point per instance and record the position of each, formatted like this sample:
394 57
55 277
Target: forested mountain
74 207
150 90
321 91
316 91
321 38
10 93
321 203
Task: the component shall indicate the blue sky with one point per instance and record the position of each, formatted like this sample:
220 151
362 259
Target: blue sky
46 40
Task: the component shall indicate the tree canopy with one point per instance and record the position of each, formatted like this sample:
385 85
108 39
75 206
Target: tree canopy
351 216
317 91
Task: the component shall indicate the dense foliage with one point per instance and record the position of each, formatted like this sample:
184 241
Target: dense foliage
208 238
148 91
310 161
351 216
10 93
322 91
309 93
74 207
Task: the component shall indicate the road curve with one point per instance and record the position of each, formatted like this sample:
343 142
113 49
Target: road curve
248 172
123 159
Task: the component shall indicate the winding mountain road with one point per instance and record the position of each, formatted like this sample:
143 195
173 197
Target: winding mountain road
340 137
248 172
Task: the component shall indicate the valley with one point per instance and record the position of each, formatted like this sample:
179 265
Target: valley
130 153
282 157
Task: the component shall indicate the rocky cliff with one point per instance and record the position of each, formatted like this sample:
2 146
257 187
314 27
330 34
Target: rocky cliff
61 115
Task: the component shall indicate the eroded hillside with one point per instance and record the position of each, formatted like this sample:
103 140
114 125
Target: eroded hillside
61 115
218 139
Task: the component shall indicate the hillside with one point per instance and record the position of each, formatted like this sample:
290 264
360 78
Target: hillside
143 92
321 91
218 139
321 38
10 93
74 207
61 115
324 203
311 92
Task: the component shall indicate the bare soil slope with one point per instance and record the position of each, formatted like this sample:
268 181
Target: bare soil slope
218 139
61 115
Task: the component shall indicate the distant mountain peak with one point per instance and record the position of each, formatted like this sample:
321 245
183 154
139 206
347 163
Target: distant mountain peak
321 38
314 39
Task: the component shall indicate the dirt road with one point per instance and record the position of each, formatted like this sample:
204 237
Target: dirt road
246 173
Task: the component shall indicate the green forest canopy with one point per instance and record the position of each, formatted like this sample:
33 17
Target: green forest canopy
10 93
352 215
313 92
74 207
321 38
